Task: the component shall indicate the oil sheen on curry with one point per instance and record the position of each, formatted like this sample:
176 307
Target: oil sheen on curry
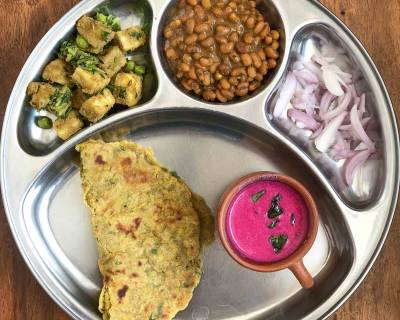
150 229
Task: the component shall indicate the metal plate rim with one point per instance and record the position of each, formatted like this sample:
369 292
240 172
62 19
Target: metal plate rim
334 307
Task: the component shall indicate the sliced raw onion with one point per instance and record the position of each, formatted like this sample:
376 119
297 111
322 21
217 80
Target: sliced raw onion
341 154
317 133
287 92
362 105
351 135
328 136
306 75
298 65
332 81
353 164
353 91
343 105
306 120
326 100
309 109
321 60
364 123
344 76
359 130
322 98
313 67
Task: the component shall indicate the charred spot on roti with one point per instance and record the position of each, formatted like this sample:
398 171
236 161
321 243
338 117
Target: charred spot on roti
134 275
99 160
130 229
134 177
137 222
126 161
187 284
122 292
161 216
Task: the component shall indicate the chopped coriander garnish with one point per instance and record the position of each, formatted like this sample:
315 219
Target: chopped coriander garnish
174 174
146 26
105 35
273 224
121 93
87 61
255 197
111 87
60 102
275 210
77 58
68 51
278 242
153 251
105 9
105 15
136 34
44 122
113 22
118 91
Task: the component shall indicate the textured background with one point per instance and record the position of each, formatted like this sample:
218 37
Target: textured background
24 22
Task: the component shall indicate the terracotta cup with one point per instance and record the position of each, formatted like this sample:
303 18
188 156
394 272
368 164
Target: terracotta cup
295 261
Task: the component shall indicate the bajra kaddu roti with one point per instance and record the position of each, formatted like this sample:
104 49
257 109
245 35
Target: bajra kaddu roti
150 229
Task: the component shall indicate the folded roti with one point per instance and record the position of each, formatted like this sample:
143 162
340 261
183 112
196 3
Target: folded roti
149 227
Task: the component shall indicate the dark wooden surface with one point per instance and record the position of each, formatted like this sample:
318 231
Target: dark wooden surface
24 22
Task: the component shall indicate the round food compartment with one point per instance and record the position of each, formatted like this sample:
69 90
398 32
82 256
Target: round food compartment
221 52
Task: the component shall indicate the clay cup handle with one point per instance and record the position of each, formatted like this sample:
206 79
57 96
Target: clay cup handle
302 274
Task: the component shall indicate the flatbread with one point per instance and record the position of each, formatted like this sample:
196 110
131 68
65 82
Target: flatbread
149 227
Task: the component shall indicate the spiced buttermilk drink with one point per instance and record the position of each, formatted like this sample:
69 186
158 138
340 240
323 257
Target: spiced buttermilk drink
267 221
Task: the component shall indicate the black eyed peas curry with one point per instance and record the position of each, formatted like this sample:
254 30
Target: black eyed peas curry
220 49
91 74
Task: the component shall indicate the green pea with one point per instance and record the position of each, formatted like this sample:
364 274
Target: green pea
81 42
130 66
140 70
101 17
44 122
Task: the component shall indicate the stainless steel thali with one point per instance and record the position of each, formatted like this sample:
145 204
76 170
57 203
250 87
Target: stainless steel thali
209 146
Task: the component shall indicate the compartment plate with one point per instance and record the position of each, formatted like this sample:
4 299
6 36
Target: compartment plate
209 147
